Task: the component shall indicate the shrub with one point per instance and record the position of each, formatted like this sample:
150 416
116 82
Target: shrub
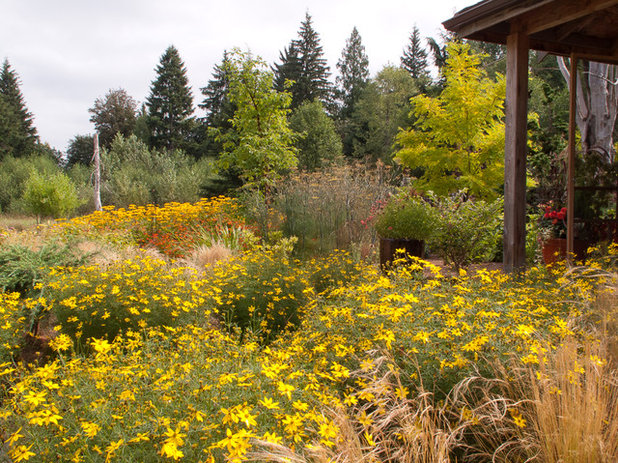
466 229
21 268
136 175
50 195
14 173
406 216
318 143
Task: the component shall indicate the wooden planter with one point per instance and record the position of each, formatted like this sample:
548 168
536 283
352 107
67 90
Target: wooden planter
554 250
389 246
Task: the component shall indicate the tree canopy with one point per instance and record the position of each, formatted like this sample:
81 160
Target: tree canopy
114 113
458 137
260 145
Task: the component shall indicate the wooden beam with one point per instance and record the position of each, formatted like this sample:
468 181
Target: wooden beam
571 158
515 152
561 12
486 15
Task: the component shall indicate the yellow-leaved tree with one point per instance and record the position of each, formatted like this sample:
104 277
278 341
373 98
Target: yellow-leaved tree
458 138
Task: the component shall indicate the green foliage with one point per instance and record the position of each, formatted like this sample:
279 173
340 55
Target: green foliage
218 107
17 132
14 172
21 267
466 230
115 113
318 143
265 293
80 150
51 195
406 216
133 174
304 67
383 108
260 146
170 104
458 137
354 75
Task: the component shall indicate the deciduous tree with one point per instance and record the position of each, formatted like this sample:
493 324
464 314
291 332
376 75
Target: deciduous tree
458 137
114 113
318 143
261 143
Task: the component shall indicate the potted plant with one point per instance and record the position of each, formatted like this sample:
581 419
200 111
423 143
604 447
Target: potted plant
406 222
553 232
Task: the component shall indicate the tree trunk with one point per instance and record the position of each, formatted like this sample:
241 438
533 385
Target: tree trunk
97 174
597 107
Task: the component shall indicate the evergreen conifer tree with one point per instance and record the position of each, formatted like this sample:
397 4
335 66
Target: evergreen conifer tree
170 104
414 58
303 63
354 75
219 109
17 132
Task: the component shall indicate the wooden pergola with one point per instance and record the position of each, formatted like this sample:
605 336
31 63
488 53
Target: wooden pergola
579 29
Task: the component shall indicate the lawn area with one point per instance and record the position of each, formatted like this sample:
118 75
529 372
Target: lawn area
125 338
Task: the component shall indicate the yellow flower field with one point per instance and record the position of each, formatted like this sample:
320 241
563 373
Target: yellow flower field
156 362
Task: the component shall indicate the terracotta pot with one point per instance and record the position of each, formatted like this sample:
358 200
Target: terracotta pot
554 250
389 246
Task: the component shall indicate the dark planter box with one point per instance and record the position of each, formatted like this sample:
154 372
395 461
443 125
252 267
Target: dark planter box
388 247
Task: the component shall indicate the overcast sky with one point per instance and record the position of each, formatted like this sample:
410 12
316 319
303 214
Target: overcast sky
67 53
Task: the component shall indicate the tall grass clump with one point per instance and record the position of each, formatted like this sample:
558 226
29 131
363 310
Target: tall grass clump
327 210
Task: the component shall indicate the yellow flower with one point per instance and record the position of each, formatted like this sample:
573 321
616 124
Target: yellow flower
270 403
21 453
90 429
61 342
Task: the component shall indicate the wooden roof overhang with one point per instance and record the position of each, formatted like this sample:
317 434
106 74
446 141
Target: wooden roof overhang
580 29
586 28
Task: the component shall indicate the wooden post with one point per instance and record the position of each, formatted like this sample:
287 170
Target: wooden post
515 151
571 158
97 174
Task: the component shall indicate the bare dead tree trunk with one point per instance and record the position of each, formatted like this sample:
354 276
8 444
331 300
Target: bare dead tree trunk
597 107
97 174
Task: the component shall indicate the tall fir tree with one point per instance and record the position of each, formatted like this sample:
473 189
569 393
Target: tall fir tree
414 58
18 135
354 73
170 104
218 107
351 82
303 63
